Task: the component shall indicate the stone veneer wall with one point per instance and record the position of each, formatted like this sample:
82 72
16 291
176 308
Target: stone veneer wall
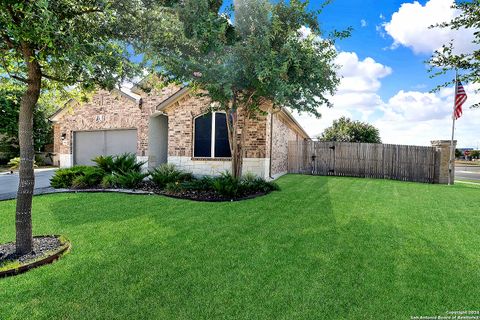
443 159
257 166
282 134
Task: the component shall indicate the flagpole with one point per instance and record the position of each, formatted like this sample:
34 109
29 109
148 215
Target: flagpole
452 150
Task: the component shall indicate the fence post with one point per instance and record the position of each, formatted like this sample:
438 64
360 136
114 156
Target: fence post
441 164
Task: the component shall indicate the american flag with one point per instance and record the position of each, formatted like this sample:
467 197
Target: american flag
460 98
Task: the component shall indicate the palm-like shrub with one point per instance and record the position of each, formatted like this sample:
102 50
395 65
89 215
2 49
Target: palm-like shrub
121 171
227 185
129 180
123 163
106 163
168 173
88 177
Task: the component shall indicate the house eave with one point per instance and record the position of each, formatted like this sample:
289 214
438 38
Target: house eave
172 99
289 115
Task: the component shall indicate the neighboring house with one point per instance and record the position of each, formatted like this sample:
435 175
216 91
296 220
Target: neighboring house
170 125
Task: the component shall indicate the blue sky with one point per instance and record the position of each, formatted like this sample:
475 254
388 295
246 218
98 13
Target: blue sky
385 76
410 71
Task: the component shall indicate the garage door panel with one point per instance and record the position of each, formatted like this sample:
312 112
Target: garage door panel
88 145
91 144
120 141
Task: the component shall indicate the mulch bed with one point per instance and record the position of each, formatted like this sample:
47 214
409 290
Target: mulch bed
197 195
46 249
148 187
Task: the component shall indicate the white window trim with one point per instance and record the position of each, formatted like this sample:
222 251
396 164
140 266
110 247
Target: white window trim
212 143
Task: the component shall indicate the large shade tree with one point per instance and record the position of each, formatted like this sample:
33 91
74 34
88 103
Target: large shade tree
53 44
346 130
272 54
449 57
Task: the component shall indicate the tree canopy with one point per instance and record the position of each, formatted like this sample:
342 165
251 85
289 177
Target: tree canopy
258 53
447 58
263 55
346 130
54 44
72 42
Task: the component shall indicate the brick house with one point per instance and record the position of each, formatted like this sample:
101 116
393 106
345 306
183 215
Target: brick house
169 125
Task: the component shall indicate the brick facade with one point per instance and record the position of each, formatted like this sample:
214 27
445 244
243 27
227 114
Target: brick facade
107 111
181 117
116 110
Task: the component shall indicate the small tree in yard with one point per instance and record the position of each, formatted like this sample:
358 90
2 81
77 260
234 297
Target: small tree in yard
48 44
263 59
346 130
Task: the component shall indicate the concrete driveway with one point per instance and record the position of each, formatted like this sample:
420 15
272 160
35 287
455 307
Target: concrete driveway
9 183
467 172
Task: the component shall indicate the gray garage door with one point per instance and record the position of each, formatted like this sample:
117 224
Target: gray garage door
90 144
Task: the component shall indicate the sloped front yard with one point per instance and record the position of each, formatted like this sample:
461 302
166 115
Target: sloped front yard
322 248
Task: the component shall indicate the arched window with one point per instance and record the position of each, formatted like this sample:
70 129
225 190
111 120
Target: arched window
211 136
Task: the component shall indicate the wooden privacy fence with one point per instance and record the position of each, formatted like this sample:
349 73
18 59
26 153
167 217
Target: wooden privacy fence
368 160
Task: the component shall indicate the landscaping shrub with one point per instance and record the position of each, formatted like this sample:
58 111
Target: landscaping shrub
174 187
90 177
14 163
129 180
108 181
63 178
106 163
205 183
226 185
127 163
168 173
121 164
251 184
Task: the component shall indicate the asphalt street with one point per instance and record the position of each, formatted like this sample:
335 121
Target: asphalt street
9 183
467 172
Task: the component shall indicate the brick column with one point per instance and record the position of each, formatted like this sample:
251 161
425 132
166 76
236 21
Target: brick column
443 156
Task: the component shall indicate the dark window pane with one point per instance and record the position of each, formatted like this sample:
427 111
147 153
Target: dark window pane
203 136
222 146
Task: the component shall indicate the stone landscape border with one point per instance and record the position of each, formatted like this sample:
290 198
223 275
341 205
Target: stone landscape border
64 248
138 192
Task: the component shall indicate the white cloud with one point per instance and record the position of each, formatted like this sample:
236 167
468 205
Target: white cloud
304 32
412 117
360 75
419 117
409 27
357 93
363 23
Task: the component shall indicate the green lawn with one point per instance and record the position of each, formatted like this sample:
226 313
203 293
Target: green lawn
322 248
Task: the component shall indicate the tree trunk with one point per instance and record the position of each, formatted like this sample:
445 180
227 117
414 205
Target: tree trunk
23 222
237 143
